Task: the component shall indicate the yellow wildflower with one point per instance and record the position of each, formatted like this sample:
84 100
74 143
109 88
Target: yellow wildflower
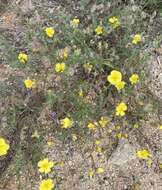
117 128
46 184
81 93
91 126
160 166
136 126
88 67
22 57
160 127
134 79
97 142
119 135
120 85
90 173
50 142
120 109
114 77
98 149
114 21
60 67
66 123
143 154
4 147
50 32
75 22
29 83
65 54
103 121
45 166
137 38
100 170
149 162
99 30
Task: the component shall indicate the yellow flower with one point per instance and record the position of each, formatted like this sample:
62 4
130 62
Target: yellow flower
134 79
149 163
65 54
50 32
99 30
117 128
91 126
160 166
90 173
29 83
120 109
22 57
81 94
45 166
143 154
114 21
50 142
46 184
100 170
97 142
66 123
88 67
119 135
60 67
160 127
75 22
98 149
136 126
114 77
120 85
137 38
103 121
4 147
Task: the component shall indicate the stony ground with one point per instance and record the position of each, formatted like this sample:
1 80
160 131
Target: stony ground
123 170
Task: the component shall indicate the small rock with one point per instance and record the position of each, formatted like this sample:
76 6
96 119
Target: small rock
27 6
124 153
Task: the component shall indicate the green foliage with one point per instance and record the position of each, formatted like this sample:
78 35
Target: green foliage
82 91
